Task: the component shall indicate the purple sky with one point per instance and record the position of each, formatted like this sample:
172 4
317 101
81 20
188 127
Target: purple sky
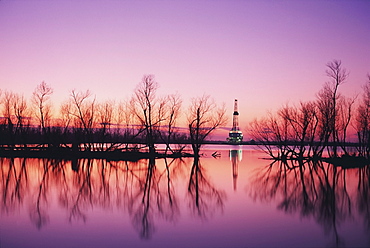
264 53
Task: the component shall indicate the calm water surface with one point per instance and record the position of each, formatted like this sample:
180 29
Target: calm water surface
236 200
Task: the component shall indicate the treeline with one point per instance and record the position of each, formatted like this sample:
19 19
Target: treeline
82 121
320 127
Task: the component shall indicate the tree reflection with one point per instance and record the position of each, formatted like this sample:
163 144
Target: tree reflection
83 191
204 198
38 214
313 189
363 194
50 173
142 188
155 196
14 183
168 201
147 191
140 205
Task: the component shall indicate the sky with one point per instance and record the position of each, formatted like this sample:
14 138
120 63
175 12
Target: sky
263 53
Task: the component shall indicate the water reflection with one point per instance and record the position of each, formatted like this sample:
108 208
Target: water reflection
316 190
152 192
235 157
153 196
14 185
146 191
204 198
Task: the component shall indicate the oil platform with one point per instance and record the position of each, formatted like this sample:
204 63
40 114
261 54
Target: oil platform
235 135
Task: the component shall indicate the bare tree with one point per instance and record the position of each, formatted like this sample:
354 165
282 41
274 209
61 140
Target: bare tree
84 112
286 134
105 118
22 118
41 100
274 131
147 109
65 114
345 113
320 125
204 116
261 133
20 108
119 116
7 111
125 120
16 120
105 114
362 124
171 110
327 104
301 129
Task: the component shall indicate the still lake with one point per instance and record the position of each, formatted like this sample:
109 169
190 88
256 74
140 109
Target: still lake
234 200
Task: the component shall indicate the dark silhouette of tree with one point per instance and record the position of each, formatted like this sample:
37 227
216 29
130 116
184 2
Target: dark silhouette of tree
15 120
127 130
313 127
362 123
302 125
143 104
203 117
105 113
65 121
7 111
84 112
41 100
328 105
263 135
171 111
345 115
22 118
275 131
148 109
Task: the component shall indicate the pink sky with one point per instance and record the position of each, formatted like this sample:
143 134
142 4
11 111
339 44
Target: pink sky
264 53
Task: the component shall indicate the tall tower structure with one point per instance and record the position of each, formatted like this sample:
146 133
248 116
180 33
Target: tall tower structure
235 117
235 135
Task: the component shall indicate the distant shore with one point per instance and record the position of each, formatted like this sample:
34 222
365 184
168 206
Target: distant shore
68 153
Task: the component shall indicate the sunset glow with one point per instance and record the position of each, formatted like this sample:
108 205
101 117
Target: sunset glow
174 123
263 53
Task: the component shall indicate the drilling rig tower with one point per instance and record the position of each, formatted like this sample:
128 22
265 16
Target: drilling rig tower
235 135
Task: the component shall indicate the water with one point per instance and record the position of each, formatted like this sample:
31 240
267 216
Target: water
235 200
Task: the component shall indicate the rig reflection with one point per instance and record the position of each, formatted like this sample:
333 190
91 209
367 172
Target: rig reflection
235 155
